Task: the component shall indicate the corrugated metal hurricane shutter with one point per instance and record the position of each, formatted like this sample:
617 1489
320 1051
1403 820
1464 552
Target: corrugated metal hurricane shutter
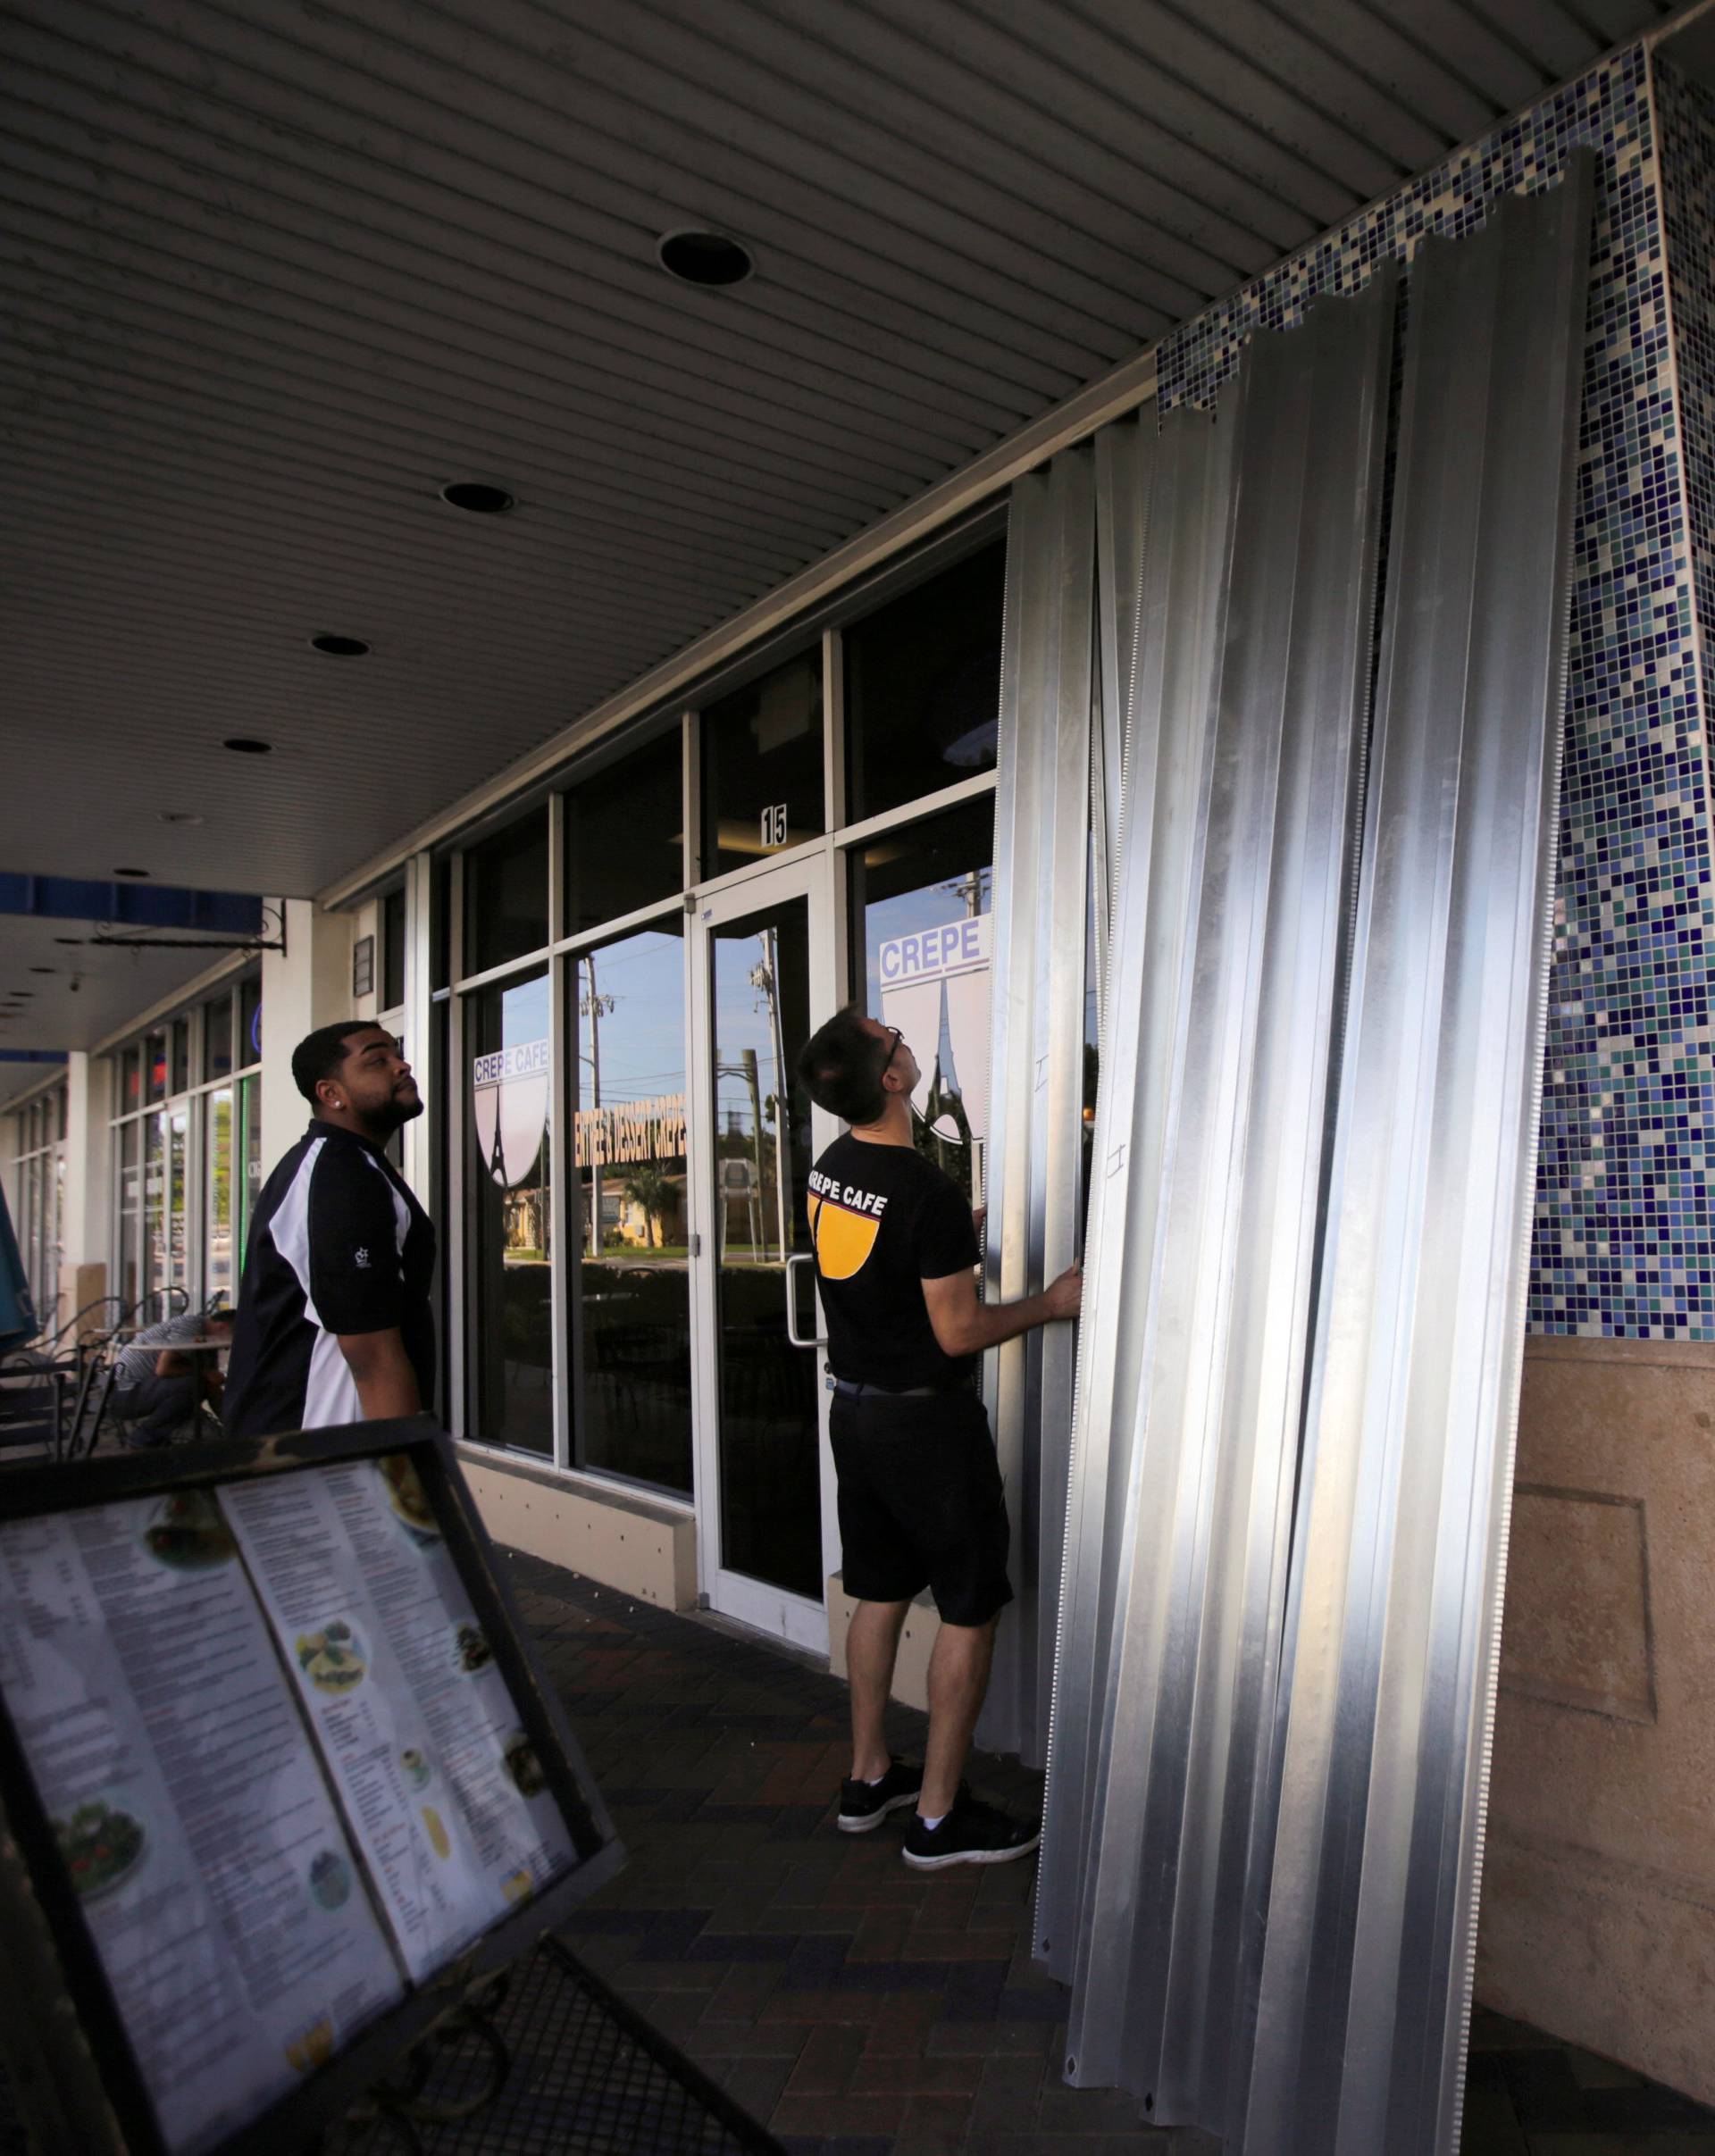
1297 1372
1216 1293
1399 1563
1041 877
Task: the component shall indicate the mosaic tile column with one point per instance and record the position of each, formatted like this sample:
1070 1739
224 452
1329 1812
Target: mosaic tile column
1621 1247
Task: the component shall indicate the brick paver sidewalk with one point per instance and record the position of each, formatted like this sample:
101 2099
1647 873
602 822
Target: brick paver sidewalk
858 2008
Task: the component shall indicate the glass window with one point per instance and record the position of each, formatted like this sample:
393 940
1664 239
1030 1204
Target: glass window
922 687
625 836
762 766
509 1218
178 1224
249 1118
218 1274
921 899
180 1036
250 1021
505 894
440 908
154 1213
217 1038
154 1067
128 1195
631 1312
770 1523
392 950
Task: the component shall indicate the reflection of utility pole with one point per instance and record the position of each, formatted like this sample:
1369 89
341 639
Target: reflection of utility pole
747 1066
766 977
594 1008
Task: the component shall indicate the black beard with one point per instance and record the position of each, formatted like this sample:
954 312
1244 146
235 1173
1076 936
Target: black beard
380 1124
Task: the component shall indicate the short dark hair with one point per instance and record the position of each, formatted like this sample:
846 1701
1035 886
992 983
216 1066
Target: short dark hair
320 1054
843 1067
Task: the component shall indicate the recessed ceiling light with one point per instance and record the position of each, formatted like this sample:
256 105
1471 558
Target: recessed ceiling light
703 258
134 873
178 815
478 499
340 647
246 745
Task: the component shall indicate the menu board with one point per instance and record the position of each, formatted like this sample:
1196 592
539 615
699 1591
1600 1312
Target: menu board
443 1788
218 1882
287 1778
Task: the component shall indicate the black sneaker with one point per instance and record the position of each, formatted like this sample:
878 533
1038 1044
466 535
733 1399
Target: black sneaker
865 1804
972 1833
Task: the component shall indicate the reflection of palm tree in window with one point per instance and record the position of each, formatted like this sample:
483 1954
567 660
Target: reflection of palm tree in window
647 1188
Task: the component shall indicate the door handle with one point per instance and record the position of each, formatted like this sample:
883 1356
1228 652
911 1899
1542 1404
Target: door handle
803 1258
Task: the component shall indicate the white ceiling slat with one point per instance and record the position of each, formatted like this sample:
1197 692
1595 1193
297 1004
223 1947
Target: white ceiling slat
644 390
471 231
246 396
1402 67
417 276
231 516
1615 20
712 492
520 206
204 82
1551 36
1220 211
1144 104
212 519
690 89
1151 58
207 77
1325 82
271 276
723 434
455 105
1463 43
1148 262
1074 199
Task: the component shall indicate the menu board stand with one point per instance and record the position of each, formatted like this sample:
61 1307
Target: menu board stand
282 1784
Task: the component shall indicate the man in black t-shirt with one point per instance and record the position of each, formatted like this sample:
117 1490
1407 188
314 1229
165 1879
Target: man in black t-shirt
333 1323
921 1502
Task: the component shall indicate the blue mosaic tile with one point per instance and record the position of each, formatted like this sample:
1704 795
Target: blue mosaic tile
1621 1243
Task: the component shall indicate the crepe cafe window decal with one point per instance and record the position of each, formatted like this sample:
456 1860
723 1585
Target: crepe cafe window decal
509 1095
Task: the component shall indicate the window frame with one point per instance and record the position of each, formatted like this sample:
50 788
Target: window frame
836 842
192 1101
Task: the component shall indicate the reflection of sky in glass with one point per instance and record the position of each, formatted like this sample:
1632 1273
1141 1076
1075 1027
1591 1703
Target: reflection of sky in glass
742 1020
642 1037
524 1013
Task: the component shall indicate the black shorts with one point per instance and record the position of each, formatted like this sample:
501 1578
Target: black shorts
921 1503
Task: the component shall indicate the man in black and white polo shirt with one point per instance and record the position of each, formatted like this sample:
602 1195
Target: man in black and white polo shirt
334 1324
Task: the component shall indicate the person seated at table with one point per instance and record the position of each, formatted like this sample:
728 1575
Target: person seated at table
166 1373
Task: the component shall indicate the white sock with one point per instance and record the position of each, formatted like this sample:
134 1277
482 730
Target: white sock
932 1824
876 1781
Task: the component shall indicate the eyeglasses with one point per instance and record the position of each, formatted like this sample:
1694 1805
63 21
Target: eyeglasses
897 1037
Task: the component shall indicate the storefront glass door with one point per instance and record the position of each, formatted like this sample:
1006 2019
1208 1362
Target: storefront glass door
762 979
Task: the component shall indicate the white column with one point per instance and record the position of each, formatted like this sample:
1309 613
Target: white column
305 985
86 1222
419 1136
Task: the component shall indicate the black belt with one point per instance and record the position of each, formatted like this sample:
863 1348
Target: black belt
858 1391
